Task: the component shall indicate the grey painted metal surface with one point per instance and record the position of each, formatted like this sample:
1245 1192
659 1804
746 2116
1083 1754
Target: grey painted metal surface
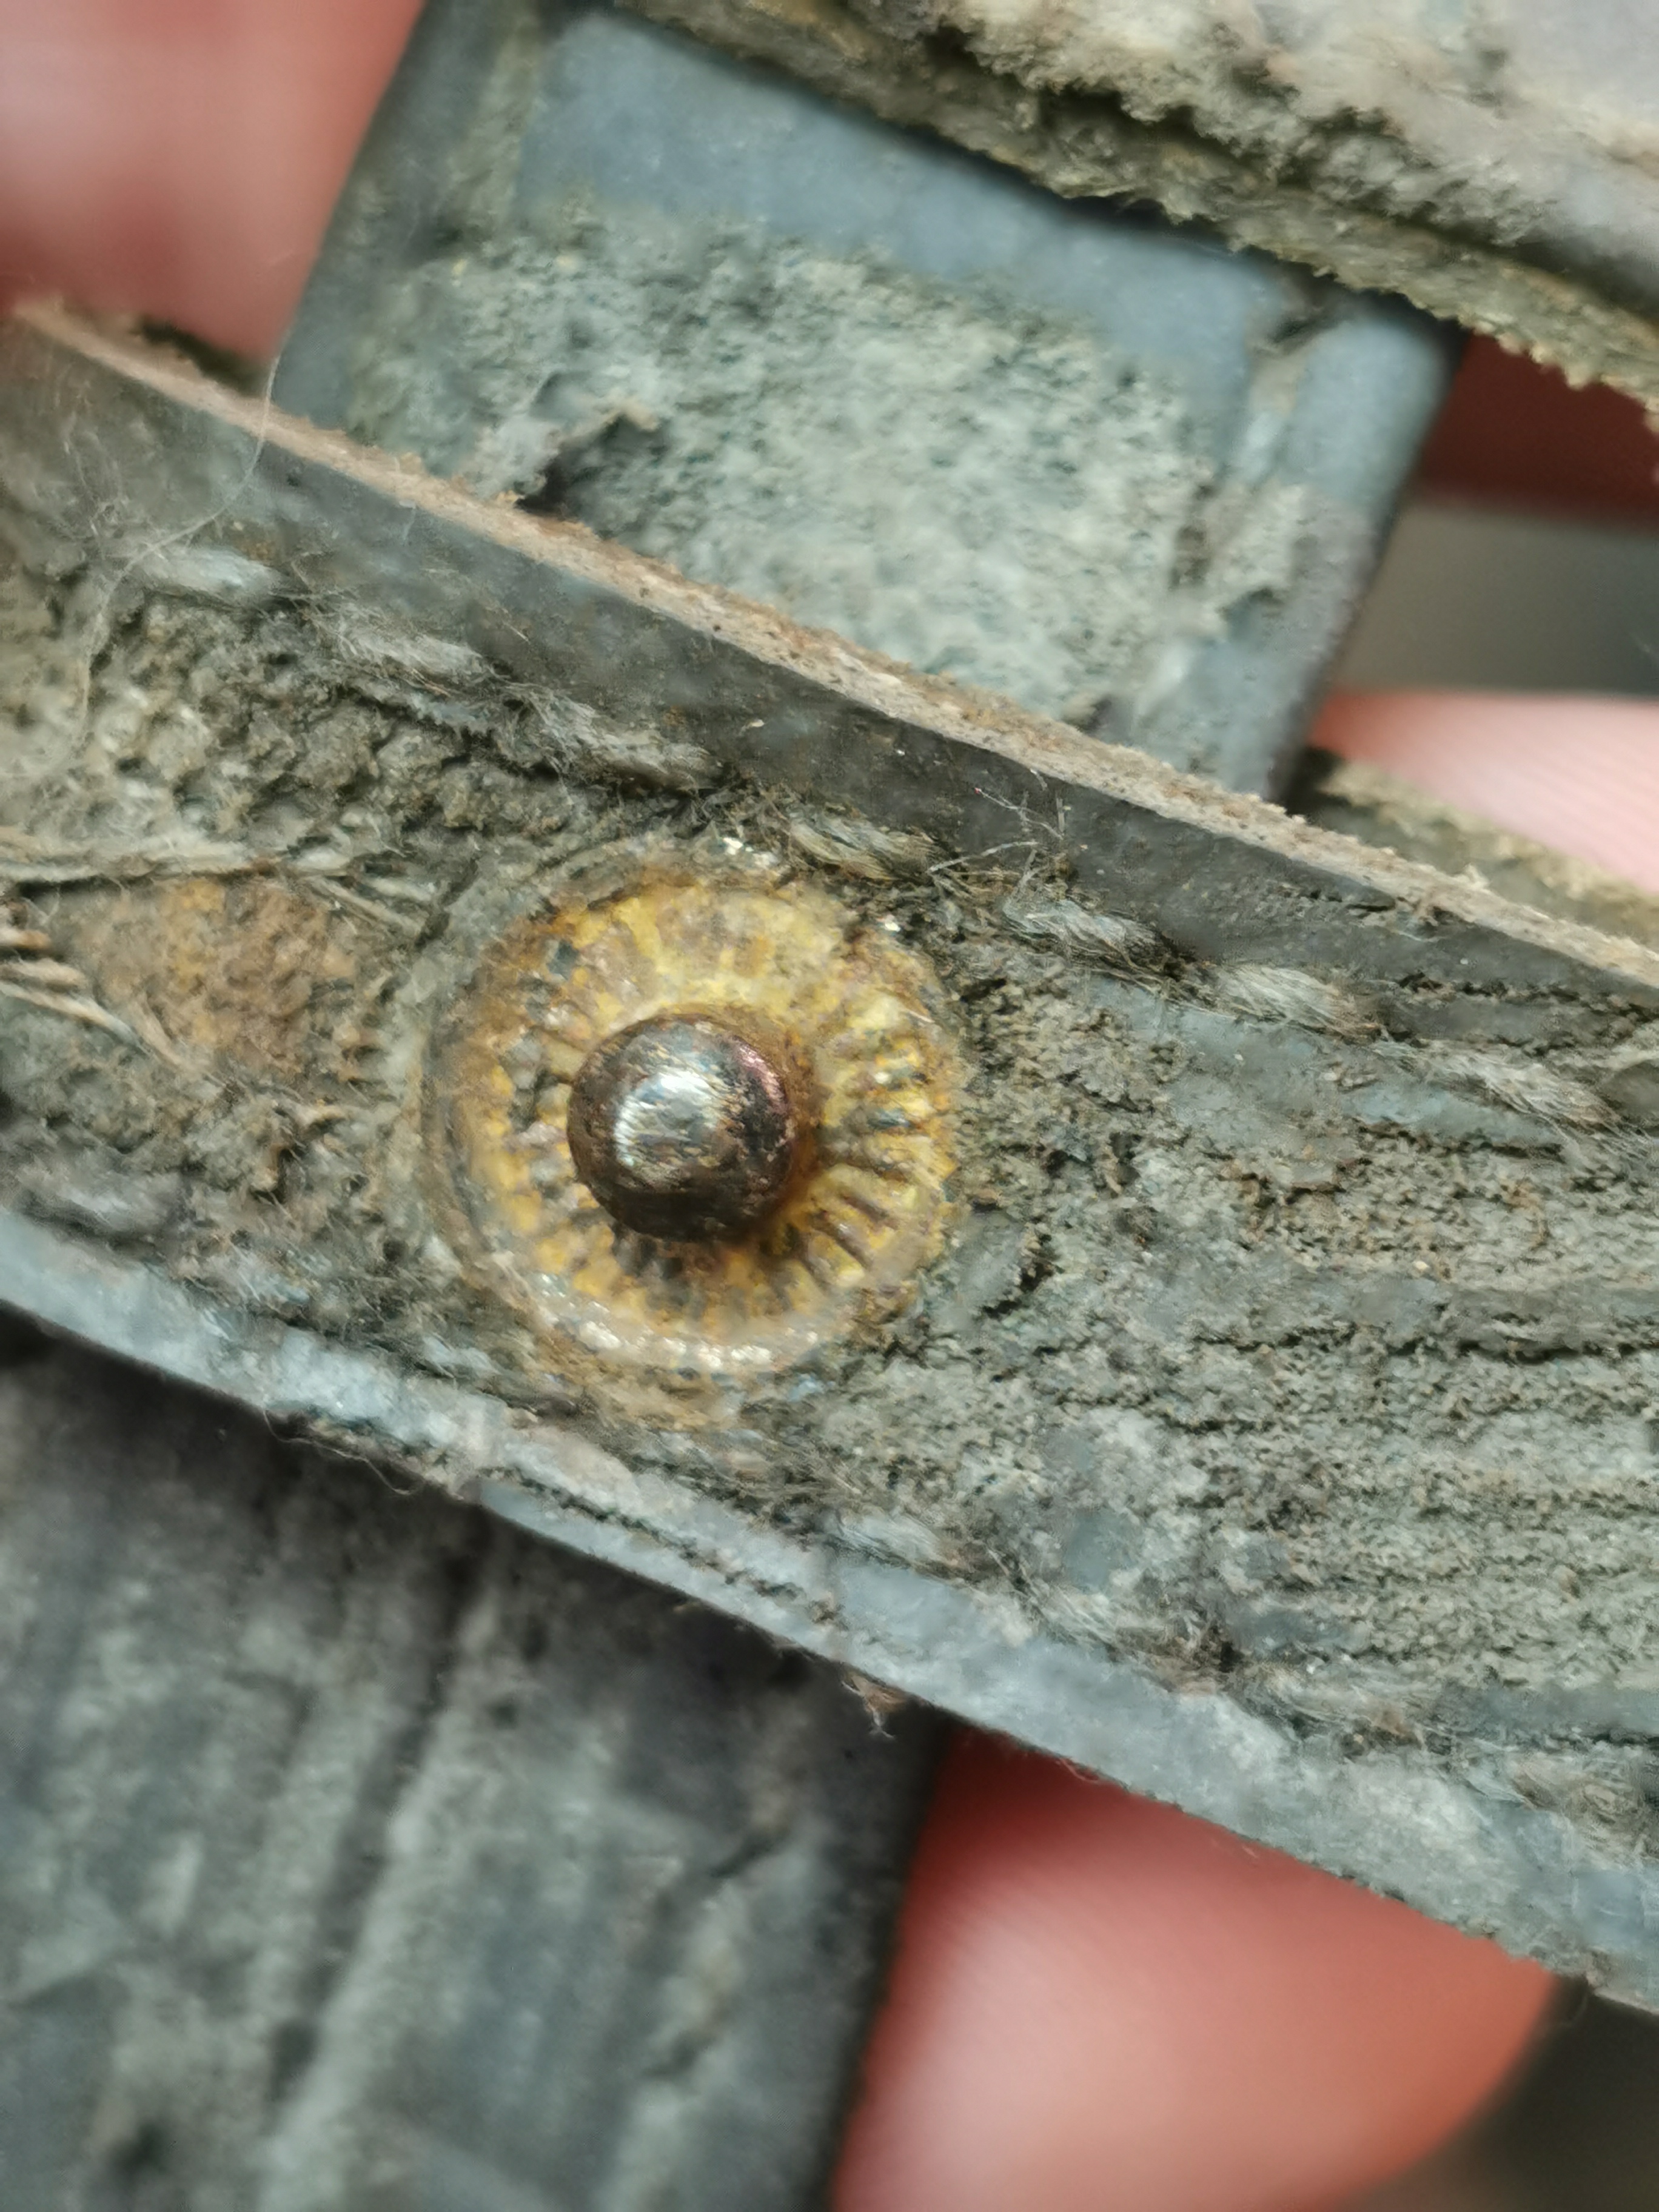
361 1852
1300 1302
1119 473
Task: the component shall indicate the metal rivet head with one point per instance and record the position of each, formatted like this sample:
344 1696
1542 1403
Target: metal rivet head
785 1188
687 1127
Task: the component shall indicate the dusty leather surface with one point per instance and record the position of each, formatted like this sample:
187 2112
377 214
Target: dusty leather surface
1536 126
1274 1432
1496 163
1102 467
361 1853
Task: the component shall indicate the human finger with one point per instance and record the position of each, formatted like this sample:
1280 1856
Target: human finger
179 157
1101 2005
1581 776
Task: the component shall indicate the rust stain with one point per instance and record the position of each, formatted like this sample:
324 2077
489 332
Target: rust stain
244 971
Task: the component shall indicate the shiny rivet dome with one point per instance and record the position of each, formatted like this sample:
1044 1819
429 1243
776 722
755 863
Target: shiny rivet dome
686 1128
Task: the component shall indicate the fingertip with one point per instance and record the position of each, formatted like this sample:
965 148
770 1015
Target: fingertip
1578 775
180 158
1097 1999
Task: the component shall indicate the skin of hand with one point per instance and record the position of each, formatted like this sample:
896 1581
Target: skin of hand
1098 2004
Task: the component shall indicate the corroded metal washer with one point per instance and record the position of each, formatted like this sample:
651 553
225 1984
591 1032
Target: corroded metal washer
749 1270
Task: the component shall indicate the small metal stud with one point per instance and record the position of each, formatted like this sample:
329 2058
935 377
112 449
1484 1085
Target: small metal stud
686 1128
710 1202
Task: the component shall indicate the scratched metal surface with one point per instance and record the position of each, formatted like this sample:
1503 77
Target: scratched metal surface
1273 1434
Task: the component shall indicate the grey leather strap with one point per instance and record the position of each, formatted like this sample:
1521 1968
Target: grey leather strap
360 1853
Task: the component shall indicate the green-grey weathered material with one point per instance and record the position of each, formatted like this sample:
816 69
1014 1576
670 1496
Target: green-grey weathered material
1274 1434
362 1852
1121 474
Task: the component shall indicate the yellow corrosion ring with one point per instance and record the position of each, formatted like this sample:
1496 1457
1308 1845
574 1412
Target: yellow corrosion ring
871 1066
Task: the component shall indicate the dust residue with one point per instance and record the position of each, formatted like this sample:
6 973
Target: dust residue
980 490
1285 1340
